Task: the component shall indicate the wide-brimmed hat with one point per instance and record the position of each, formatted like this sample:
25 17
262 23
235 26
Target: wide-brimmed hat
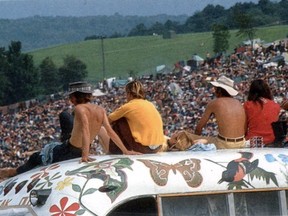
225 83
80 86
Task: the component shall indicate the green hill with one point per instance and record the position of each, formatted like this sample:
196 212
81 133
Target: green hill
142 54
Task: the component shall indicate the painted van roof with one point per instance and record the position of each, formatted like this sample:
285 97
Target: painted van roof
76 187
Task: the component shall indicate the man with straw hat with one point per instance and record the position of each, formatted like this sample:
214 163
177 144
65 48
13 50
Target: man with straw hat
229 114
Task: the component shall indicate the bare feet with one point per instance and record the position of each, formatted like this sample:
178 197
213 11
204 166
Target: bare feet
7 172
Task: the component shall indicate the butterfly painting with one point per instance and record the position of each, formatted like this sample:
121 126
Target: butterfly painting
187 168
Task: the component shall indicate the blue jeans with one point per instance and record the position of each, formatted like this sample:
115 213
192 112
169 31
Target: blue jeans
62 152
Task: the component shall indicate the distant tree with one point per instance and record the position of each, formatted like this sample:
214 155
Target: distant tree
116 35
169 25
157 28
283 12
132 73
246 28
22 76
139 30
202 21
73 70
221 37
3 78
92 37
49 81
267 7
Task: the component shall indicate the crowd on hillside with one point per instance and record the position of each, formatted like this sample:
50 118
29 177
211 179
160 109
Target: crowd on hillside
180 96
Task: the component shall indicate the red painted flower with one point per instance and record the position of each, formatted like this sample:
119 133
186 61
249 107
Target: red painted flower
63 210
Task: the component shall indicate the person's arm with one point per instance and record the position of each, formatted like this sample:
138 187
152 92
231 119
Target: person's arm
204 119
203 141
111 133
83 121
117 114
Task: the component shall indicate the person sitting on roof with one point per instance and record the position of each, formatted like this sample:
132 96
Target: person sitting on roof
137 122
88 120
183 141
230 117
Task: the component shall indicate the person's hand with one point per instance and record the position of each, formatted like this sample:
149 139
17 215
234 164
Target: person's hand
86 160
203 141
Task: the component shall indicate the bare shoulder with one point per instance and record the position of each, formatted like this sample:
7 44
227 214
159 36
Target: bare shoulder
225 100
214 102
88 108
222 104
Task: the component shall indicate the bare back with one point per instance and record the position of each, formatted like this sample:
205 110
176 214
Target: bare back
87 123
229 114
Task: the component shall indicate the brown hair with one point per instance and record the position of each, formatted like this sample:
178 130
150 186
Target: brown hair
259 89
222 92
136 89
81 97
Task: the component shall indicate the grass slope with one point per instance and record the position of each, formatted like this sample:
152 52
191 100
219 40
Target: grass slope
142 54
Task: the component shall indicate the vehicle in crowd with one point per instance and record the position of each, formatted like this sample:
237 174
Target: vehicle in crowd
250 181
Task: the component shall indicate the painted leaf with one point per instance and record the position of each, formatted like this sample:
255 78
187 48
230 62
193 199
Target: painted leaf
89 191
76 188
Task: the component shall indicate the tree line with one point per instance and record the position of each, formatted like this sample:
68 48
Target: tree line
21 80
39 32
264 13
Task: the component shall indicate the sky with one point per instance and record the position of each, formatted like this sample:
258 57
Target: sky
13 9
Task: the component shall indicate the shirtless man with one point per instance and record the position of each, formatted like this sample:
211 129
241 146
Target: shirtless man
88 119
229 114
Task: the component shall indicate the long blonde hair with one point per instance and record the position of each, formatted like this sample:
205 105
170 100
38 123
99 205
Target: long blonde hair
135 89
183 141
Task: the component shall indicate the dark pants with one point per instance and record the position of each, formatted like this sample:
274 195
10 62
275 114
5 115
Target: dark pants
66 124
121 127
64 151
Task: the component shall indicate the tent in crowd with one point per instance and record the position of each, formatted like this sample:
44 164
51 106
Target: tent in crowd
98 93
277 58
197 58
270 64
174 88
195 61
113 82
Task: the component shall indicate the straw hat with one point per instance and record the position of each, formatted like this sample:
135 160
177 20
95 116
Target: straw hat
225 83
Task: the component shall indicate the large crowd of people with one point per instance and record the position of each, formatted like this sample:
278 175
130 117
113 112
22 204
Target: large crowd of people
180 96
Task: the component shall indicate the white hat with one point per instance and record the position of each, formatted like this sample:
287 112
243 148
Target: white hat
227 84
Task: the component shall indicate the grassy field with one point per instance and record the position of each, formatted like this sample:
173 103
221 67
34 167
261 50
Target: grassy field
142 54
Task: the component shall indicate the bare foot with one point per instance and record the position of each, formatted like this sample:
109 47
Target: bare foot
7 172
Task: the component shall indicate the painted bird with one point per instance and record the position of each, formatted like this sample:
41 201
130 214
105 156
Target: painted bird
238 168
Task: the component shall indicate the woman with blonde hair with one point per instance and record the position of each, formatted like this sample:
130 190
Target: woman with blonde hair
182 141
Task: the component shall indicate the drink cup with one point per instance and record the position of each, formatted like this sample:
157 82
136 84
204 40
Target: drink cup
256 142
